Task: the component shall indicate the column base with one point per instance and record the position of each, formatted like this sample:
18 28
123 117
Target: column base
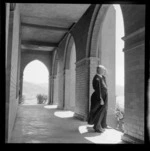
132 140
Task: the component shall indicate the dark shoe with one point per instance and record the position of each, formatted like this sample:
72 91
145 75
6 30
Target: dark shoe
94 127
99 131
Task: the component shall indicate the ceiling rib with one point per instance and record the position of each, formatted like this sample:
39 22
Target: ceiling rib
45 27
39 43
66 34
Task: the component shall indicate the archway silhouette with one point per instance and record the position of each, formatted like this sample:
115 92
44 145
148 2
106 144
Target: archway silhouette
35 81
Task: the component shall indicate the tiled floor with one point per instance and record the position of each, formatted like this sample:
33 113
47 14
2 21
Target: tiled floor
47 124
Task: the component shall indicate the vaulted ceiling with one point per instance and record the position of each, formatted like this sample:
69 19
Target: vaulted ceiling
43 26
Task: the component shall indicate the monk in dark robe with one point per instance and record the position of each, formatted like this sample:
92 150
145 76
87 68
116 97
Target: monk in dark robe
99 101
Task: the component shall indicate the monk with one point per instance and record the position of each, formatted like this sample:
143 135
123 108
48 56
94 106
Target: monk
99 101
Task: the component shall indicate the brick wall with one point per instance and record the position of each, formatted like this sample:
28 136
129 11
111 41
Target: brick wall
134 72
134 92
60 77
138 16
67 89
82 89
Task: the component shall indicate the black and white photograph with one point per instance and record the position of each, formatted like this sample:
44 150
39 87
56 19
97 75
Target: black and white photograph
75 73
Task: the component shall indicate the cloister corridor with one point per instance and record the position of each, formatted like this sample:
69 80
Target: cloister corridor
47 124
71 40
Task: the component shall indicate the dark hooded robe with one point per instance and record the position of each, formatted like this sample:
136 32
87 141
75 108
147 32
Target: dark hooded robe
98 112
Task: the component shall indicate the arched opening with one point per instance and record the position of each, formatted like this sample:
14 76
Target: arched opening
70 76
119 67
35 82
111 56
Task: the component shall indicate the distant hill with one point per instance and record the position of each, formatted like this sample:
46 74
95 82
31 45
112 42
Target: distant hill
30 90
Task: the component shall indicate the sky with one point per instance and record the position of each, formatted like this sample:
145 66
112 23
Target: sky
36 71
119 47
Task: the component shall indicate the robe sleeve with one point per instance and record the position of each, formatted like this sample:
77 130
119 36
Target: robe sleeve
97 87
100 89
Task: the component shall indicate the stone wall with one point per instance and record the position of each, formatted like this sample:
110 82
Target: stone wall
134 72
12 70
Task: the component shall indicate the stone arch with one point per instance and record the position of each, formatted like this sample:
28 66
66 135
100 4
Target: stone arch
91 28
129 27
43 66
98 51
134 29
27 63
69 44
26 58
70 74
95 29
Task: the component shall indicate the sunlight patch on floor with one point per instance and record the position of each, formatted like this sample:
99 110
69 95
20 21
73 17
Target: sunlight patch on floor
50 106
83 129
109 136
64 114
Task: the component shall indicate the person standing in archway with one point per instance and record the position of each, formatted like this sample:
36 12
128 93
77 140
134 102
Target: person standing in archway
99 101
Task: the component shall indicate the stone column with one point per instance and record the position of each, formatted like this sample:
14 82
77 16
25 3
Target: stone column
67 89
82 89
60 78
134 86
49 90
55 90
85 72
